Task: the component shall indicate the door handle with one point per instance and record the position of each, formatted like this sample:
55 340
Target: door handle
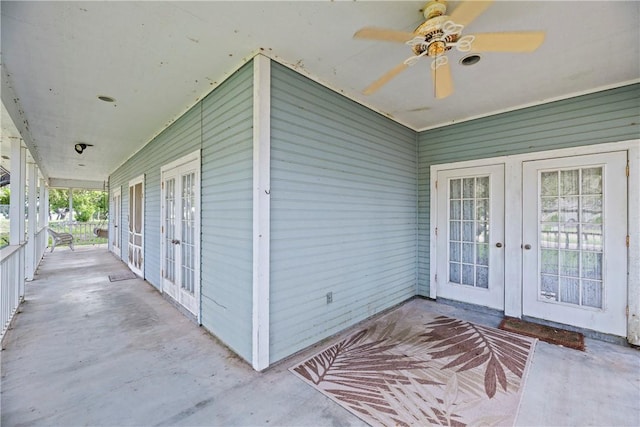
175 242
498 245
527 246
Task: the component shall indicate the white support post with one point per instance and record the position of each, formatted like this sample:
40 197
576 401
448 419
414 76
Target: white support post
261 209
47 205
43 212
513 238
70 219
32 188
16 206
633 304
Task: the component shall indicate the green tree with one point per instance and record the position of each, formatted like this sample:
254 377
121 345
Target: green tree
86 203
58 199
5 196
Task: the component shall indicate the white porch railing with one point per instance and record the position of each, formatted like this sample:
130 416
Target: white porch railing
83 232
41 244
12 260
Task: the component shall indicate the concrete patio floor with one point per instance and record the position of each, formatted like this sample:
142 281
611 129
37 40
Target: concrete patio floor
86 351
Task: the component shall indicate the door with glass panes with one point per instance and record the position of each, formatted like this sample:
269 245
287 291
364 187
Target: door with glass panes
574 241
115 220
470 235
181 234
135 244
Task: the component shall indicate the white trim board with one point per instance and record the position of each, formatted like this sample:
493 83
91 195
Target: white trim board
513 222
261 209
195 155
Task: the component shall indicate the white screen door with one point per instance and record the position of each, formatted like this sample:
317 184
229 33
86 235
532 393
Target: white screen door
470 235
574 241
136 226
116 211
181 233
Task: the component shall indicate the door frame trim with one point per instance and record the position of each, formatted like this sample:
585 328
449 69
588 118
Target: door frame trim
513 222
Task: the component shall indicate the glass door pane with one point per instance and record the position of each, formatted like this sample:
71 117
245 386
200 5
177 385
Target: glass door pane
170 229
188 232
571 236
469 231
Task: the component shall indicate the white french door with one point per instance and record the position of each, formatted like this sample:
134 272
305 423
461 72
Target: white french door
574 241
116 212
136 226
180 232
470 235
566 256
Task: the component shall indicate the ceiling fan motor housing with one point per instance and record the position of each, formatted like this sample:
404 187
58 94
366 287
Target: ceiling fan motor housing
436 41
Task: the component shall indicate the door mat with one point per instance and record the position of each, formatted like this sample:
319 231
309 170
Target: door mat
126 275
438 371
548 334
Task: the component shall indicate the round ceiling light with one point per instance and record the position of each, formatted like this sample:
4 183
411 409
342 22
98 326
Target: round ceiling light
106 98
470 59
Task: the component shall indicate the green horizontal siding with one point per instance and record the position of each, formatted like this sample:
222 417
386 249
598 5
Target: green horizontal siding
227 212
343 200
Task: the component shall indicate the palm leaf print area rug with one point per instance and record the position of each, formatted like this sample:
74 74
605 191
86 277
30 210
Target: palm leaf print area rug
424 369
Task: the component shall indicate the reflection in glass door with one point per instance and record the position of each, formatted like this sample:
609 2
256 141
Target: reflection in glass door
470 232
188 231
574 241
169 237
571 236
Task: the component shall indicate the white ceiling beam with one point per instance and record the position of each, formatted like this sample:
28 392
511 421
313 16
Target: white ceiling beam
77 183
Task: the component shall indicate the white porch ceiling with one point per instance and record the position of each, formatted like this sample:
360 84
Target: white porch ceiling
157 59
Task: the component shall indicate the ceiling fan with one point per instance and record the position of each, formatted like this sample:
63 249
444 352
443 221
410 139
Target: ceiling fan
439 34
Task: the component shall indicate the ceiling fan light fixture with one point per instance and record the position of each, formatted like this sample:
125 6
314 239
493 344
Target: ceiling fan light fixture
472 59
440 33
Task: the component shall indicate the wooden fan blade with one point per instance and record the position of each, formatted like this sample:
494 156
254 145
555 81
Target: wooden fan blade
468 11
521 41
442 81
373 87
383 34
